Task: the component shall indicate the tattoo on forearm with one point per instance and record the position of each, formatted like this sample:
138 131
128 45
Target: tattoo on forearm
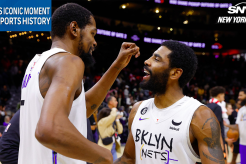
93 106
214 145
117 68
213 159
119 161
99 160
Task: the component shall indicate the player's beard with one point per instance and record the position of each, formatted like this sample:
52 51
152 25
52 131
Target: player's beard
243 102
157 83
86 57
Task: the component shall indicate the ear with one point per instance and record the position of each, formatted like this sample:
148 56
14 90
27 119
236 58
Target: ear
74 28
175 73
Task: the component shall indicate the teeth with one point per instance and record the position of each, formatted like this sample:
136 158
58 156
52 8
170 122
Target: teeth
146 72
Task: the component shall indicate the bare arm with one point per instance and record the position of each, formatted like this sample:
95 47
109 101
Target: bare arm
235 127
54 129
95 96
206 129
128 156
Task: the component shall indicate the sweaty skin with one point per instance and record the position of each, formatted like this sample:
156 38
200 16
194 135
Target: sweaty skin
60 84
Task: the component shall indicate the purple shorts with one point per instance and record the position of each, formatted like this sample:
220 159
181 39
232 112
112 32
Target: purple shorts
242 150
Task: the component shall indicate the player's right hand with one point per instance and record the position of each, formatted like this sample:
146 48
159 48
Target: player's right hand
126 52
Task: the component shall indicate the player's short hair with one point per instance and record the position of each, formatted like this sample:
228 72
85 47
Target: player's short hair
215 91
243 90
109 99
65 14
227 104
182 57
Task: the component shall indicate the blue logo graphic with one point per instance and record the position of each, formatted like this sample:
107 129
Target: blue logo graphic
140 119
25 15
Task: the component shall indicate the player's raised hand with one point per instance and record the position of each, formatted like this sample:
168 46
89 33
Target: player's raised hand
126 52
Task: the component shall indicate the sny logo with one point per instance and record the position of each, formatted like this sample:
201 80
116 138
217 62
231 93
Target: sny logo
238 8
235 9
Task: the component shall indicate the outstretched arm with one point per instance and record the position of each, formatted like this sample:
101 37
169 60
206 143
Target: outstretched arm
128 156
54 130
95 96
206 129
235 126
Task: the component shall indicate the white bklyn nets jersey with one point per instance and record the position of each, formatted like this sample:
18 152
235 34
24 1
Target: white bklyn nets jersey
30 150
164 140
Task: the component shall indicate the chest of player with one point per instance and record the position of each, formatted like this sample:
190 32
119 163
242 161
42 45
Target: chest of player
158 137
163 137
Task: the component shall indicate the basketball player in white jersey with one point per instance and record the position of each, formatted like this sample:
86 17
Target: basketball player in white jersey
171 128
54 106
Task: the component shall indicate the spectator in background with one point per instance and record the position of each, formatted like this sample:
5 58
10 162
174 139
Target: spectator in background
5 95
124 122
112 102
241 125
141 97
9 143
200 91
218 95
229 141
14 70
109 126
126 91
129 100
6 121
120 100
232 118
2 114
93 124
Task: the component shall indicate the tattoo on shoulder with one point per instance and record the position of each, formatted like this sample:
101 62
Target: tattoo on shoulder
214 159
214 145
207 121
194 115
119 161
93 106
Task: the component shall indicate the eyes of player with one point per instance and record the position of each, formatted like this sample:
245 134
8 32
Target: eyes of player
93 34
156 58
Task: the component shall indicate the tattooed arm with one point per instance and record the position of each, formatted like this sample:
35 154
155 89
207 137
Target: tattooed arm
235 126
128 156
95 96
206 129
